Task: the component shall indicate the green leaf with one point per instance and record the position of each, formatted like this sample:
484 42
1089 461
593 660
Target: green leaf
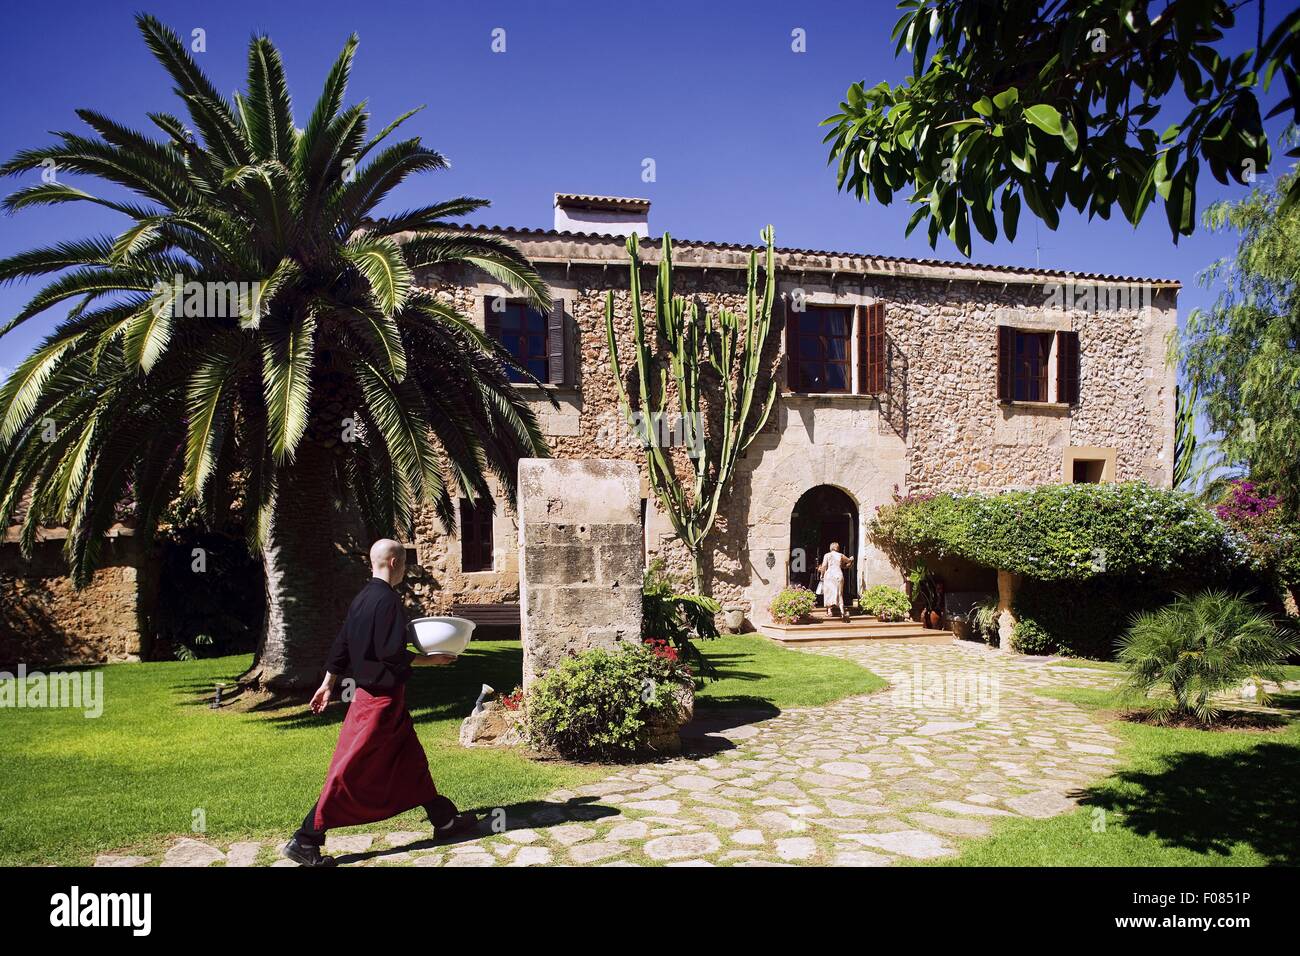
381 261
1044 117
287 356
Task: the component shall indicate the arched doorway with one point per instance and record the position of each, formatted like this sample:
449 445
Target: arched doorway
821 515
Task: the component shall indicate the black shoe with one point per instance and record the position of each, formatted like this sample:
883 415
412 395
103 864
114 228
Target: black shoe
305 854
459 825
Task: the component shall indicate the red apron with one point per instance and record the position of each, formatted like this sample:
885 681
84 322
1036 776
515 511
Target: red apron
379 768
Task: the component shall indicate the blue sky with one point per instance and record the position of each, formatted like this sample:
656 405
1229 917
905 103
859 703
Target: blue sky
582 95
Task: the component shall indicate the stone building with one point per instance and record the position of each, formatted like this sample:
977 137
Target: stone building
896 376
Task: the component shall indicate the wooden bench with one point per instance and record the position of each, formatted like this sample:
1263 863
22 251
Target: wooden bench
502 620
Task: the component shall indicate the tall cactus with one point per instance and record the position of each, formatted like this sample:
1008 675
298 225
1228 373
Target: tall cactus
682 344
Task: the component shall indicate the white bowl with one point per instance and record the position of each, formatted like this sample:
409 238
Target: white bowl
442 635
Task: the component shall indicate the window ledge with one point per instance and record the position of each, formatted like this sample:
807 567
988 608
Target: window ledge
841 396
528 388
1041 406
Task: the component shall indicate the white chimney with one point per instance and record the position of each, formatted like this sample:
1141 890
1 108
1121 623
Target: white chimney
607 215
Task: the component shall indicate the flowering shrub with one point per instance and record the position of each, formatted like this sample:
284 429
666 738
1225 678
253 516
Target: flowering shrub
661 648
1272 543
1062 532
885 602
514 699
792 605
599 704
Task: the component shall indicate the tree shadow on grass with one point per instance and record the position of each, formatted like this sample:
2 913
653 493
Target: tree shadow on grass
1207 803
432 693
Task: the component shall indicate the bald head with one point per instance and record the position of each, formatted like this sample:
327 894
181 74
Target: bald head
388 560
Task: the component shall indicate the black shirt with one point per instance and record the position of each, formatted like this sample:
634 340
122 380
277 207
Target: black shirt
372 640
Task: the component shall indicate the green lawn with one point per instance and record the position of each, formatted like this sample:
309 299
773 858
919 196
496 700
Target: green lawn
139 774
1180 798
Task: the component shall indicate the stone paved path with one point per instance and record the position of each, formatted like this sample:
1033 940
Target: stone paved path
958 741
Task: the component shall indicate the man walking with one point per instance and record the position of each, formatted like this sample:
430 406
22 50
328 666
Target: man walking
379 767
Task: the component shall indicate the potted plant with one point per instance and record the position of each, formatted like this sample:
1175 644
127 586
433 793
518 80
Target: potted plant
885 602
792 606
926 591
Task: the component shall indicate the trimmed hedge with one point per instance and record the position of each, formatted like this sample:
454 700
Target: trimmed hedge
1063 532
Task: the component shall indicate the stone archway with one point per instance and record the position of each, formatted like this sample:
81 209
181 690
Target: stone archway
822 515
816 446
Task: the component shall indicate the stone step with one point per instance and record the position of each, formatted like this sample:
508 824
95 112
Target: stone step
857 629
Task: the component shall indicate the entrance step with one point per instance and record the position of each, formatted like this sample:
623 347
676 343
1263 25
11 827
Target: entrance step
857 629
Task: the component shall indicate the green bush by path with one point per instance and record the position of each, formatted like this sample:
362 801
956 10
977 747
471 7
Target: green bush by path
1063 532
132 778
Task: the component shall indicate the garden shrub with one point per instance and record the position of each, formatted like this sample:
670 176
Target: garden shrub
1079 618
598 705
1062 532
792 605
1199 647
887 603
1272 542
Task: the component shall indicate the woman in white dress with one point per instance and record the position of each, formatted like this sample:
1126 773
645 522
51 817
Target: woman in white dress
832 569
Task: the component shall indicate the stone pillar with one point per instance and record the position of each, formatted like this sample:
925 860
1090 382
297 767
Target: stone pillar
581 558
1008 583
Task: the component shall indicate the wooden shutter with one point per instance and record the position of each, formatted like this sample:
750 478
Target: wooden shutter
1006 362
871 349
557 352
491 321
1067 367
791 347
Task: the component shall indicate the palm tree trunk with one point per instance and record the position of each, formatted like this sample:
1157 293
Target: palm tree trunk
310 577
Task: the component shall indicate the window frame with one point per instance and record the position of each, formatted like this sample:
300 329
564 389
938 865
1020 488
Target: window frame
497 328
1027 371
800 384
476 546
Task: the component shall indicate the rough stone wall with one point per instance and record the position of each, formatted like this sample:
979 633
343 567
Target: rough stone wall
940 427
44 620
581 558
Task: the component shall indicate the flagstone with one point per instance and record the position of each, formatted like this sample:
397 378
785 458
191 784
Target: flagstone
796 848
585 853
628 830
188 852
683 845
243 853
531 856
917 844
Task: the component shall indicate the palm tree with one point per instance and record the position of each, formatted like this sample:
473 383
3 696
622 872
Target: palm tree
1199 647
332 387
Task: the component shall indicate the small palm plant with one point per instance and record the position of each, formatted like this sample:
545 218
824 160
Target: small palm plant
332 385
1182 656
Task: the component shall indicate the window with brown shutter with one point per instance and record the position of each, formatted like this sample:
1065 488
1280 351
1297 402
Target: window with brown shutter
871 349
475 536
1023 360
1006 348
818 341
1067 367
